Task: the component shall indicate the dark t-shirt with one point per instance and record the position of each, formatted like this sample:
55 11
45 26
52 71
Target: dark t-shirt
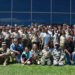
69 46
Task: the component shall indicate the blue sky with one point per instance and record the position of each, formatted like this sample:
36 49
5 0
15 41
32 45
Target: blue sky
37 6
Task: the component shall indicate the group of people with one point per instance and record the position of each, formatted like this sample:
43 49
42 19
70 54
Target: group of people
37 44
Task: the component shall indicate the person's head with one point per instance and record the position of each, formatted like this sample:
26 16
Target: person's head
16 30
34 46
50 27
68 38
15 41
46 46
15 25
71 32
64 25
62 32
26 49
57 45
7 29
35 30
4 45
0 30
51 44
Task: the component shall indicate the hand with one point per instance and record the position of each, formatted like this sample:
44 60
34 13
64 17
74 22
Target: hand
17 52
35 55
57 60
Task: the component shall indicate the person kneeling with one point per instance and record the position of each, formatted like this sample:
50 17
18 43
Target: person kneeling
4 54
25 58
46 54
58 55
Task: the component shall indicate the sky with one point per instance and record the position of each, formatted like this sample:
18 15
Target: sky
41 11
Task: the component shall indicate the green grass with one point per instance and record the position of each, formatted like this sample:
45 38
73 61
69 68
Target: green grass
18 69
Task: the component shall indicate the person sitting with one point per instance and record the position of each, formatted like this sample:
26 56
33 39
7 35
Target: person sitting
34 54
4 54
16 50
25 58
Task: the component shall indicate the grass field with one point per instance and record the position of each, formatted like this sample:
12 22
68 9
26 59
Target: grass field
18 69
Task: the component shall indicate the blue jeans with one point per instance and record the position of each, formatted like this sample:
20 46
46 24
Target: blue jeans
73 57
18 57
68 59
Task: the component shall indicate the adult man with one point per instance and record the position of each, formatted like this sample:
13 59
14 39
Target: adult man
1 36
45 37
7 37
4 54
58 55
16 50
16 34
69 50
46 54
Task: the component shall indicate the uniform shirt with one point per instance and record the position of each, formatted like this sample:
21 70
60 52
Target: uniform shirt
58 54
6 36
4 51
1 36
24 36
11 34
20 31
16 35
46 53
30 35
34 38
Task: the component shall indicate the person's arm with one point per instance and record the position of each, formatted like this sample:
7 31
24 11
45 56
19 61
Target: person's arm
14 51
62 56
67 52
27 60
2 55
